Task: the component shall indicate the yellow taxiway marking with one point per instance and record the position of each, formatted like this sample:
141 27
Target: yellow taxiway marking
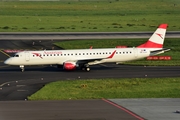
4 53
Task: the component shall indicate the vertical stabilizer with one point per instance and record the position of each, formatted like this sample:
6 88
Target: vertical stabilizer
157 39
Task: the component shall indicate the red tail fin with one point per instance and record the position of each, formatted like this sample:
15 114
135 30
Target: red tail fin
157 39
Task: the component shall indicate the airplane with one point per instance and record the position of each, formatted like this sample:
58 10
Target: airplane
83 58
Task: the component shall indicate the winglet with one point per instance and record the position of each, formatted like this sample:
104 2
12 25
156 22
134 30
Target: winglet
91 47
157 39
111 56
163 26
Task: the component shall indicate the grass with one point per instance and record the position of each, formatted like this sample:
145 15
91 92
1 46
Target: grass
172 43
100 15
110 88
87 15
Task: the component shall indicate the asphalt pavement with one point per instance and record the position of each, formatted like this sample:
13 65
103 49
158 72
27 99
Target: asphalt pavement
15 86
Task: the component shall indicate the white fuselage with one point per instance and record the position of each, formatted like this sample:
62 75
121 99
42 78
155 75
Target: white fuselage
60 56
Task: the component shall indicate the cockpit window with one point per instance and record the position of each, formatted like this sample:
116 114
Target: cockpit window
16 55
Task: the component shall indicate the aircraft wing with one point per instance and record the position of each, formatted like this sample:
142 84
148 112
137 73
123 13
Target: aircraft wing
92 61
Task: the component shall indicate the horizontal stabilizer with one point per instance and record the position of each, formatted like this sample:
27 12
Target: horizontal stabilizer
155 52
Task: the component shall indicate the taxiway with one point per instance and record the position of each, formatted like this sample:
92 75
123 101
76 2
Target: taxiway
17 85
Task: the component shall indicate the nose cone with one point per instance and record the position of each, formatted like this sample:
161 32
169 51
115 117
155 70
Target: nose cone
7 61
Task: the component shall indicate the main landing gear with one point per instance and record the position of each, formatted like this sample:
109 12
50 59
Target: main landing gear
86 68
22 68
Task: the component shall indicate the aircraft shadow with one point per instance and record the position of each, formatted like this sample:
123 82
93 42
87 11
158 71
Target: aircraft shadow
52 68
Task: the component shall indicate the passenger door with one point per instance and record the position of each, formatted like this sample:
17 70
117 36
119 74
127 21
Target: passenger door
27 56
135 52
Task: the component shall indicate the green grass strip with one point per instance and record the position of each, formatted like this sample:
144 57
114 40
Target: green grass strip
88 15
110 88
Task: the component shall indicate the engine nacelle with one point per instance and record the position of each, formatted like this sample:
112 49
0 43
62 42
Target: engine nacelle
69 65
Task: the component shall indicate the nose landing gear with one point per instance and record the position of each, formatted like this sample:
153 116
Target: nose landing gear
22 68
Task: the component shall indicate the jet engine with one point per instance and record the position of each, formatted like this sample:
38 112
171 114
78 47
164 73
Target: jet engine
69 65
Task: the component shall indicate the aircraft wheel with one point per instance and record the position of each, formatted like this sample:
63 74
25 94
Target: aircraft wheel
87 69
